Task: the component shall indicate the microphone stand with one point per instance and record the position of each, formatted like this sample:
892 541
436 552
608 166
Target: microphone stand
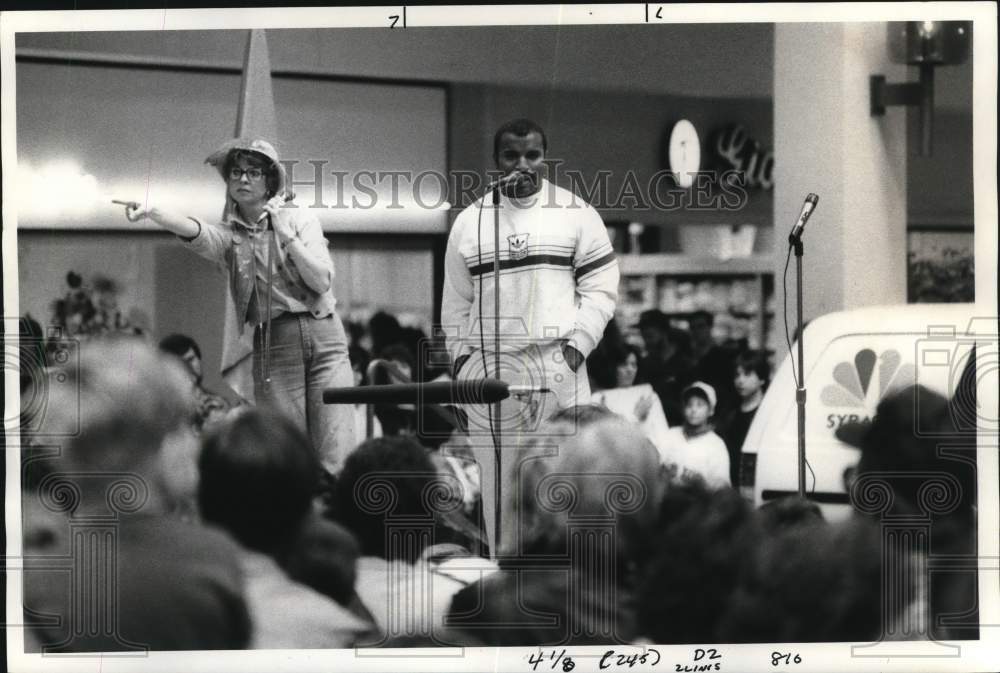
271 238
265 325
497 477
800 390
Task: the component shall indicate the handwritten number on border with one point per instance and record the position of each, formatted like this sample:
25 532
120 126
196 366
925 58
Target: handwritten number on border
776 658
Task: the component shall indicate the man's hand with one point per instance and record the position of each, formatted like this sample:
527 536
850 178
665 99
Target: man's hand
573 357
462 359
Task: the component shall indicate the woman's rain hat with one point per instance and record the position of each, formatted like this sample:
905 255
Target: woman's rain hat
256 145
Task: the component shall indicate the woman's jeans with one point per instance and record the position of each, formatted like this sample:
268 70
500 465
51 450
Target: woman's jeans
307 356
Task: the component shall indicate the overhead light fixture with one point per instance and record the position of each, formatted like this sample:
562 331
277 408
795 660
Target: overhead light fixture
925 44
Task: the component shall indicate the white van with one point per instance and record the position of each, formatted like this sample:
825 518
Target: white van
852 360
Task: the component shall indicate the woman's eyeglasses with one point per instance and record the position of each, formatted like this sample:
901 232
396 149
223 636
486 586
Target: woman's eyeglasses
253 173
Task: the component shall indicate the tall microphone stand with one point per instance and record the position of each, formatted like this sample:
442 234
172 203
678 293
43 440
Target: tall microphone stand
497 476
795 240
269 236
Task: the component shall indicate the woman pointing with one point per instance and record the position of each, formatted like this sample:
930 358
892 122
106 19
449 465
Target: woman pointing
281 280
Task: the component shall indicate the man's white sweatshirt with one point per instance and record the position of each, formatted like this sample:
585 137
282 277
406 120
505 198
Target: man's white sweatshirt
558 273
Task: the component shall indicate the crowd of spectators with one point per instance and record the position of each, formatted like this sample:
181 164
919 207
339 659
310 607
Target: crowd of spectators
229 535
705 393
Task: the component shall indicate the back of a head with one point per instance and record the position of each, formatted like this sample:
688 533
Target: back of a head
179 345
790 512
544 607
582 415
603 468
811 584
385 330
702 544
913 432
323 556
383 477
680 499
917 460
259 475
117 403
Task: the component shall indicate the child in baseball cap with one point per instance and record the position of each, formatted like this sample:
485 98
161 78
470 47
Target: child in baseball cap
694 450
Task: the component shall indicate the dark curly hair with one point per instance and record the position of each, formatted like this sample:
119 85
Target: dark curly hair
396 472
700 553
179 344
812 583
611 351
259 474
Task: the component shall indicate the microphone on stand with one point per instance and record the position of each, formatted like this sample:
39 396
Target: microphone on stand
495 428
795 243
472 391
504 181
800 224
496 185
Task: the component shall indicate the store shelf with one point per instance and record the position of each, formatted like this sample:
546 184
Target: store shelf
679 283
672 264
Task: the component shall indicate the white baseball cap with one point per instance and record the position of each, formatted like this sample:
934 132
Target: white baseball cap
705 390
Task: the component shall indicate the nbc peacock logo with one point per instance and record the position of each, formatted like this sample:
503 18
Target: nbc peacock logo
860 384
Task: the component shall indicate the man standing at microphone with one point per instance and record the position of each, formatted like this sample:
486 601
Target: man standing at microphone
558 273
281 280
558 286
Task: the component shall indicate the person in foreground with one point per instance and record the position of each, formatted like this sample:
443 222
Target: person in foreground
128 453
580 526
259 481
392 497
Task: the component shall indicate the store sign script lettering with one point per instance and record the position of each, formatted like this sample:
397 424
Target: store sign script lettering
745 156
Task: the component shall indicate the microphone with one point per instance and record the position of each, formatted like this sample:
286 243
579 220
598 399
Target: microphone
473 391
807 209
505 180
496 185
286 197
